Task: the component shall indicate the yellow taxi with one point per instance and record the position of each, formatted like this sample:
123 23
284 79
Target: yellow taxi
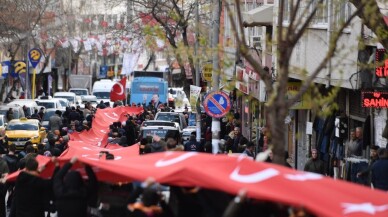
19 131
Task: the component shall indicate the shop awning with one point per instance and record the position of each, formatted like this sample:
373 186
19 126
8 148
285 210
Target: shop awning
260 16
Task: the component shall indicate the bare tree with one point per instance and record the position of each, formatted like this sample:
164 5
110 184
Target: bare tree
19 21
301 13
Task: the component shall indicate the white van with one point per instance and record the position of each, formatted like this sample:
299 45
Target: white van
102 88
69 96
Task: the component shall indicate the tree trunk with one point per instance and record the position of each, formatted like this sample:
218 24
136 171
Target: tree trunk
277 113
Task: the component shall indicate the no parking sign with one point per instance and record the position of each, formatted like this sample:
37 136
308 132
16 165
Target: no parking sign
217 104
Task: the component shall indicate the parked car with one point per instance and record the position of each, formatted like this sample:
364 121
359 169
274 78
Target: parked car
69 96
174 117
19 131
17 112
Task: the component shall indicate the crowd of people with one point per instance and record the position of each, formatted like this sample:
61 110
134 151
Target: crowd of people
31 195
354 167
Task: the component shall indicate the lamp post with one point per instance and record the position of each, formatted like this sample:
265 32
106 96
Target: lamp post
215 76
197 70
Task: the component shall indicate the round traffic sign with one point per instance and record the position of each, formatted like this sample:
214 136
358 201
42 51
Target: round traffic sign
217 104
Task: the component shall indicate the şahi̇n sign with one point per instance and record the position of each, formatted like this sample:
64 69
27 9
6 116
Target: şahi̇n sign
375 99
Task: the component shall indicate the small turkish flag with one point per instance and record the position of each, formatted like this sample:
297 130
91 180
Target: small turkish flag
118 90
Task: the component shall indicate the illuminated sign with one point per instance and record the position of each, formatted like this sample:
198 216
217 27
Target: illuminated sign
375 99
381 70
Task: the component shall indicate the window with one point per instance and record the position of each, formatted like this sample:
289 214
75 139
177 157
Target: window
342 12
286 12
321 15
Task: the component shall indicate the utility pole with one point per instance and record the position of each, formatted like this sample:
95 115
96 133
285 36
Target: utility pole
216 128
197 70
27 81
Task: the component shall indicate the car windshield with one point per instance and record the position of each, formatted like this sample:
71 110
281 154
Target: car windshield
47 104
48 114
70 98
159 132
15 113
79 92
63 103
22 126
102 95
168 117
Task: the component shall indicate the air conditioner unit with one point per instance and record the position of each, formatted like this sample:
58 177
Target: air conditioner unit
256 42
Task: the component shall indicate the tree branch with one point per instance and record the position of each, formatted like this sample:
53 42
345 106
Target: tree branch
330 54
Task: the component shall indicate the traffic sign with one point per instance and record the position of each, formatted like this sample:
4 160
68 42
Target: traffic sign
207 72
34 55
217 104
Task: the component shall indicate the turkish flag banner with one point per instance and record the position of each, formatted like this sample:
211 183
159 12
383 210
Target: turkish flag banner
320 195
98 134
118 90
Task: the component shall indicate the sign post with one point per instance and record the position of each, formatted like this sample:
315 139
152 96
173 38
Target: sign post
207 72
34 55
217 104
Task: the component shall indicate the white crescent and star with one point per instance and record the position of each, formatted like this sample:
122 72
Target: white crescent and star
121 89
253 177
364 208
169 162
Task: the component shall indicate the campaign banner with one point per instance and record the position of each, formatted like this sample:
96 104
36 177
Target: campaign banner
194 94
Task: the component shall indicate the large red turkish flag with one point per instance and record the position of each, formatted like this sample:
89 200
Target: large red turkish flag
118 90
320 195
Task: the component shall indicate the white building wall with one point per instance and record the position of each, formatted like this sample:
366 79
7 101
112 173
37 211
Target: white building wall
312 49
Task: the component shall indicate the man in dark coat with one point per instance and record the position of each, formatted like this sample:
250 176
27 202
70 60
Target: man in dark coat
74 115
41 113
36 115
314 164
55 121
30 191
130 131
373 158
380 171
72 195
193 145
